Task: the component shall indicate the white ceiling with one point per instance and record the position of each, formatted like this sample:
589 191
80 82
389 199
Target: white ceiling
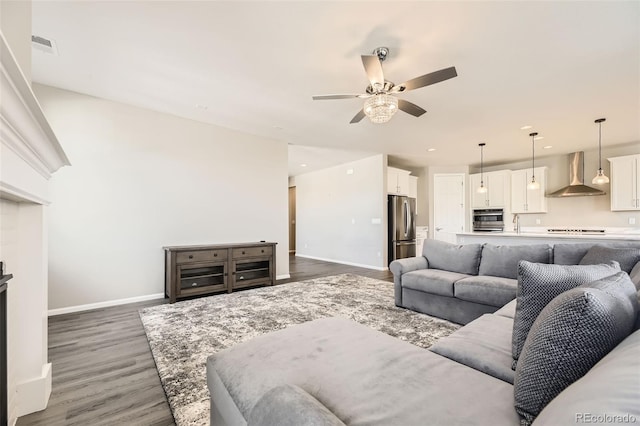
253 66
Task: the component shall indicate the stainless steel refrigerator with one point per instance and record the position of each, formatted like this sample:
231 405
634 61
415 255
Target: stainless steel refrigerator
401 227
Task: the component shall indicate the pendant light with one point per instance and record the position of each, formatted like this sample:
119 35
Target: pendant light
533 185
482 189
600 178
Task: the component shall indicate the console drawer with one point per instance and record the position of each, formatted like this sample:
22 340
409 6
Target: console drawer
200 256
241 253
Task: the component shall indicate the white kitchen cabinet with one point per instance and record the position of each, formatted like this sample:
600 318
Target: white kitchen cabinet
625 183
524 200
498 193
413 187
398 181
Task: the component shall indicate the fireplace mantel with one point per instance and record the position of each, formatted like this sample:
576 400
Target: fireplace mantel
30 150
29 154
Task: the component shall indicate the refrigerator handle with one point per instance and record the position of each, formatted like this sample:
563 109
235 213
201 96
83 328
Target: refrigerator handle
407 218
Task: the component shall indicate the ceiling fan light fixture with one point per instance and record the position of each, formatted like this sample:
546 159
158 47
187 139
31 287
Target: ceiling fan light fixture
380 107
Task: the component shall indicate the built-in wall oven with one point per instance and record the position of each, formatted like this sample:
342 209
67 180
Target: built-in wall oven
489 220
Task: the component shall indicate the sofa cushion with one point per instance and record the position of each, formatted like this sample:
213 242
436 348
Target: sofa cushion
570 254
432 281
463 259
508 310
610 388
626 257
289 405
539 284
484 344
362 376
492 291
502 261
571 334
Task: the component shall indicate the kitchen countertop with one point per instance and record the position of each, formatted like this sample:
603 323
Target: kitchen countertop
540 233
555 235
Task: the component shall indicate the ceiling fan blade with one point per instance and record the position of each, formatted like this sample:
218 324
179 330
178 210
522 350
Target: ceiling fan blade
359 116
410 108
325 97
426 80
373 68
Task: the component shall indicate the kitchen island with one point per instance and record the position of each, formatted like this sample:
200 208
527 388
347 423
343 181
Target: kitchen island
537 236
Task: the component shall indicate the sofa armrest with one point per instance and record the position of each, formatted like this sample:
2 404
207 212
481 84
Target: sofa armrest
289 405
402 266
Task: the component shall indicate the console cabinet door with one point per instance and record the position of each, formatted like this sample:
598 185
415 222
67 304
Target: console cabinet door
625 183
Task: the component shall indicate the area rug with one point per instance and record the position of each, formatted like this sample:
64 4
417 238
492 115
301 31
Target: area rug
184 334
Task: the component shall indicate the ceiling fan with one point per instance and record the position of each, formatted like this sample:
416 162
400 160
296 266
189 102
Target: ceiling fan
381 104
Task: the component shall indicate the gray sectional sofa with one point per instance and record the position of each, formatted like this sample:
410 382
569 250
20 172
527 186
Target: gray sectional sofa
462 282
334 371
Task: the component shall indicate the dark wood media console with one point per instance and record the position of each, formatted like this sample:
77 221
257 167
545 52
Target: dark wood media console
202 270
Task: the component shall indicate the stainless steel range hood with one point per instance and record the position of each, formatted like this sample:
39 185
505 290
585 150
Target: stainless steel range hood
576 187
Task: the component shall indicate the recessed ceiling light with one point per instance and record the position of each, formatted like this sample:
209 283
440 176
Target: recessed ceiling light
303 165
525 127
431 149
547 147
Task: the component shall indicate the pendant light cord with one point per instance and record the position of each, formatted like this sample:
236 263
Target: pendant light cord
533 156
600 145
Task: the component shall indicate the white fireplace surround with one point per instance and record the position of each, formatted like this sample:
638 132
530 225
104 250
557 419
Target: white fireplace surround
29 154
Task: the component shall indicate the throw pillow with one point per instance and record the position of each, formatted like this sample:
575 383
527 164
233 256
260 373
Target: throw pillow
627 257
463 259
539 284
571 334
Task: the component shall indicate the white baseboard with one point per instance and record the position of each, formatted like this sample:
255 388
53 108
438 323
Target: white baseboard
283 277
360 265
33 395
88 307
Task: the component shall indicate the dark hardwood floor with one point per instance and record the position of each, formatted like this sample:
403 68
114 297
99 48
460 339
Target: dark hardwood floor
103 371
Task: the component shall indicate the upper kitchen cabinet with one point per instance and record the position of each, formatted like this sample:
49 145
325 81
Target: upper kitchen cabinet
498 193
625 183
524 200
398 181
413 187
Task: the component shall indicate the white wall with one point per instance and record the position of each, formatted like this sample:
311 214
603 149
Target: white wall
142 180
334 212
593 211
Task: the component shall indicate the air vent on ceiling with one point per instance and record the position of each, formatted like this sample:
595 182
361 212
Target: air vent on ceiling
44 45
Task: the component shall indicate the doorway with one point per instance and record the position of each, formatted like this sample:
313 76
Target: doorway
448 206
292 220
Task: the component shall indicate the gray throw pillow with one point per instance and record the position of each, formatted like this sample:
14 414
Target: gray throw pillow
571 334
627 257
539 284
463 259
502 261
